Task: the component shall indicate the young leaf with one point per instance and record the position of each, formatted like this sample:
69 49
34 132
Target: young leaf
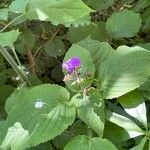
125 23
90 109
8 38
132 128
84 143
44 111
124 71
133 104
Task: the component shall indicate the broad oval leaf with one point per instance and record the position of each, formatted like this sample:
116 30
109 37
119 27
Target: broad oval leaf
85 143
125 70
44 111
125 23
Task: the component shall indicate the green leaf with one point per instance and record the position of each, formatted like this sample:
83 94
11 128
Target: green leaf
64 12
132 128
8 38
100 4
96 31
28 39
124 71
55 48
44 111
115 133
4 14
15 138
99 51
18 6
141 145
87 67
91 110
84 143
133 104
125 23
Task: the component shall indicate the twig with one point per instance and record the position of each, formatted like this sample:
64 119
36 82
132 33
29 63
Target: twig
36 56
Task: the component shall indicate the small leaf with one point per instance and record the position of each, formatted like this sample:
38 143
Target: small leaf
84 143
91 110
125 23
28 38
8 38
55 48
133 104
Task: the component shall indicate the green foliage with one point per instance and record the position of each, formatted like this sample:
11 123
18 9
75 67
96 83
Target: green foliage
85 143
103 103
47 110
123 24
95 31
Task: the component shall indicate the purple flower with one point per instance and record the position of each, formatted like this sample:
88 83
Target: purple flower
71 64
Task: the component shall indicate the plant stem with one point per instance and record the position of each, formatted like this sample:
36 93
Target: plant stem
89 132
11 61
11 22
